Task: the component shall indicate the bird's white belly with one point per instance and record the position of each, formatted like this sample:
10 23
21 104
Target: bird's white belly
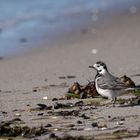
108 93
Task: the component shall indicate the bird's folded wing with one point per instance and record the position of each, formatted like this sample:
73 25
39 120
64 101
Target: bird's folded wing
114 84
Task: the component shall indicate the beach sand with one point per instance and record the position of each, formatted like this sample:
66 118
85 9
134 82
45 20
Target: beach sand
116 42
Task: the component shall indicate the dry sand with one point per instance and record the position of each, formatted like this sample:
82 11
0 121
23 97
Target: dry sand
117 43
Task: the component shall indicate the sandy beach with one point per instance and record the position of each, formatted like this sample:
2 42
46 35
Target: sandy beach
28 77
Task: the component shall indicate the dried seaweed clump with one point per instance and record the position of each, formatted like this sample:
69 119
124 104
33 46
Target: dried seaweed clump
128 81
13 128
82 91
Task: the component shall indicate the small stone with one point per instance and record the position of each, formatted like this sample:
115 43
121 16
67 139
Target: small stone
52 135
120 123
102 126
42 106
79 122
40 114
3 112
45 98
71 125
54 99
71 76
88 129
94 124
109 116
16 120
94 51
54 117
62 77
84 116
18 115
34 90
79 103
48 125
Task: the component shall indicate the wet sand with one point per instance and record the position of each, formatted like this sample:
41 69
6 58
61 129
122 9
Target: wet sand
116 42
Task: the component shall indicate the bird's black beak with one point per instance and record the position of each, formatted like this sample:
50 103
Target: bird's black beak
91 67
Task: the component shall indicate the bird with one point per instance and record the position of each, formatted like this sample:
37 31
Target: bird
108 85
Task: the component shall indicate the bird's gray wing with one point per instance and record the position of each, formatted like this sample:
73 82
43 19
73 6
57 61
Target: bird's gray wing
111 83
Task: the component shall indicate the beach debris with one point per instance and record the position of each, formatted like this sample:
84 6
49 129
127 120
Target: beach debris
48 125
14 128
45 98
71 76
54 99
67 77
35 89
40 114
17 115
102 126
128 81
134 100
135 92
84 116
117 135
79 122
79 103
80 91
66 113
88 129
52 136
3 112
41 107
62 77
94 124
60 105
94 51
68 137
61 85
120 122
134 75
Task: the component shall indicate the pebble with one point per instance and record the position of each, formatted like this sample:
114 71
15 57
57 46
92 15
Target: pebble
94 124
94 51
40 114
54 99
48 125
18 115
120 122
52 135
79 103
84 116
88 129
79 122
45 98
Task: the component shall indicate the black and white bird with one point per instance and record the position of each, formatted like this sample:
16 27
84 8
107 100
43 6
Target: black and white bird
106 84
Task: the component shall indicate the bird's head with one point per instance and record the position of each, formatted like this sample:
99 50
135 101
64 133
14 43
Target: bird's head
100 67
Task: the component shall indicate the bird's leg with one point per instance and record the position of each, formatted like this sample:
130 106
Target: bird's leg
114 101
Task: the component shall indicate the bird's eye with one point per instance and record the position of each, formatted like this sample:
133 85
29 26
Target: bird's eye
98 66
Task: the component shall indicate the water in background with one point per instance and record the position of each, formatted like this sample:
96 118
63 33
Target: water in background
24 23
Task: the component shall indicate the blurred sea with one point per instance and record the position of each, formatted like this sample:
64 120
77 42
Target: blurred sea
25 23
